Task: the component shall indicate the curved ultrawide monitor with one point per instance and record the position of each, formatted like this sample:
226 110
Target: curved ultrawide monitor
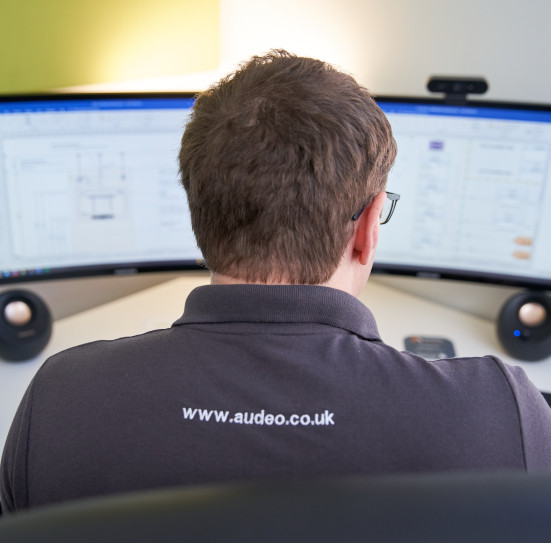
89 185
475 186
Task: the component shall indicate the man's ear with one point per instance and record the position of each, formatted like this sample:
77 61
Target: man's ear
367 229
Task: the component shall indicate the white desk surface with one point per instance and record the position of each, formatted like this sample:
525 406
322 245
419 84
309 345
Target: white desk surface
397 314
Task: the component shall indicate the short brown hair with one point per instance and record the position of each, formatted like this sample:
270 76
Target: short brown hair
275 160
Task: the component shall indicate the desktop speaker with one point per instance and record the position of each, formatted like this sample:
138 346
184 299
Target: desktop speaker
524 326
25 325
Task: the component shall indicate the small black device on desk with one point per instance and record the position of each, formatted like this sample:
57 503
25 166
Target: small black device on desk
430 347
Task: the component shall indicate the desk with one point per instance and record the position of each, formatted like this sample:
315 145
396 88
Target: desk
398 315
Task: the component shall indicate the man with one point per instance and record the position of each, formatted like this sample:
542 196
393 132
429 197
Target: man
276 369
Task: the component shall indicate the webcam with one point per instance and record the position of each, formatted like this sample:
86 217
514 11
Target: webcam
457 86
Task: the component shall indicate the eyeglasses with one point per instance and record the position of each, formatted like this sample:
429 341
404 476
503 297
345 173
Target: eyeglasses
388 208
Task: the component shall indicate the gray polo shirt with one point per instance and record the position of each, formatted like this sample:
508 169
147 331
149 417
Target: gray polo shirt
258 382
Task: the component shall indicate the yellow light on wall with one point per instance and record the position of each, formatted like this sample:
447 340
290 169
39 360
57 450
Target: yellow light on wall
164 38
60 43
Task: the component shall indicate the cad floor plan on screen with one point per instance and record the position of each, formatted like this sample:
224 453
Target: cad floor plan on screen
476 191
94 185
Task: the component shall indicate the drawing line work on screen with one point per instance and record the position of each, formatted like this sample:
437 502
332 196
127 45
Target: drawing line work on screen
94 182
476 191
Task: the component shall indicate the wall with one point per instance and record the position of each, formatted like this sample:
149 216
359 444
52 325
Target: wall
393 46
55 43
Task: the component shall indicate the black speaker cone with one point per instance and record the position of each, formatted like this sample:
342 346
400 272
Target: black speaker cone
25 325
524 326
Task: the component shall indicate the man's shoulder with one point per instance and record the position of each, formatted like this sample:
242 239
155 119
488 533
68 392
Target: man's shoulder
483 377
101 354
488 369
458 367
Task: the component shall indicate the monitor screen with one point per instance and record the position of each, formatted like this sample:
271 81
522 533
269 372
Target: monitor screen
475 186
89 185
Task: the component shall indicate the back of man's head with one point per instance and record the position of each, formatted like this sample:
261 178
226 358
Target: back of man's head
275 161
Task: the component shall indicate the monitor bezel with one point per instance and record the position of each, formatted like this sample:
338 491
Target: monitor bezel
433 272
107 268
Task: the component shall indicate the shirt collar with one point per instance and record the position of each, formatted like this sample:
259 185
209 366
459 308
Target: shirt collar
279 304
